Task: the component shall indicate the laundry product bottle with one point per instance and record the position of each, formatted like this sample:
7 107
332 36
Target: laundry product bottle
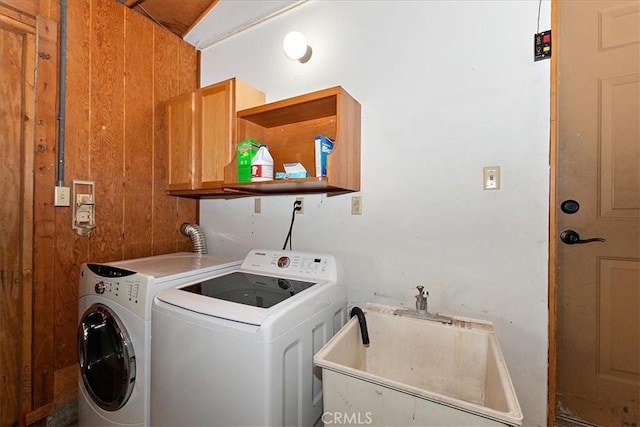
262 165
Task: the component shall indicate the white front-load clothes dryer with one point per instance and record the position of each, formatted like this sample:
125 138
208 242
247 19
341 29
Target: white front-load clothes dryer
114 332
237 349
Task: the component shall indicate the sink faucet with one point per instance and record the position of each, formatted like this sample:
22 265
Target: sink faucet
421 309
421 299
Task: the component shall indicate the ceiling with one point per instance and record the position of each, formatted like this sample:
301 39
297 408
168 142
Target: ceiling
194 22
178 16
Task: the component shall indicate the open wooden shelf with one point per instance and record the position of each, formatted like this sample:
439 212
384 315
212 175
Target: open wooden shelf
288 128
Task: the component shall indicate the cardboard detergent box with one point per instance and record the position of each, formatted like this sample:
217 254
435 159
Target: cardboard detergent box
293 170
323 146
244 153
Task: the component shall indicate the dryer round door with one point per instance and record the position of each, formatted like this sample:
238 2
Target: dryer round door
106 356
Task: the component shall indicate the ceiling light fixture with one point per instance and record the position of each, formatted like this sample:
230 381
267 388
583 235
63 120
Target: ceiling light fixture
296 47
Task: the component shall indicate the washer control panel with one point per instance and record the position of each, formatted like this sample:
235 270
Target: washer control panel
301 264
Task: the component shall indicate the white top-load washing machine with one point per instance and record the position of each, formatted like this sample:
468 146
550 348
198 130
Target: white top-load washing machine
114 333
238 349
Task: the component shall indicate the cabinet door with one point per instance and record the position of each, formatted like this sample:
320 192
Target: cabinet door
216 122
181 128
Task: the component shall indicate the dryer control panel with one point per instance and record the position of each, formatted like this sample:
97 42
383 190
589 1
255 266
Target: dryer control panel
319 267
117 284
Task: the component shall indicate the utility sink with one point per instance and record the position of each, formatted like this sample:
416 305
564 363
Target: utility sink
416 372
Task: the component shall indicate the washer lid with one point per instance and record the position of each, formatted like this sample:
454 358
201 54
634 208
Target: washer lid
239 296
249 289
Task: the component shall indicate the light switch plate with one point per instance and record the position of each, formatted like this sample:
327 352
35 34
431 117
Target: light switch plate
491 177
62 196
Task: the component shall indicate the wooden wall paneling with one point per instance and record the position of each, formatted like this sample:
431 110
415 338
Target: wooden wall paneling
102 136
29 121
11 66
44 220
188 75
65 384
50 8
16 20
166 72
188 62
45 8
107 129
107 141
25 6
71 249
36 370
138 136
165 69
17 65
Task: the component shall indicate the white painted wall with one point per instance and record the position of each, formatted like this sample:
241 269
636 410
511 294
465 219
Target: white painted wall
446 88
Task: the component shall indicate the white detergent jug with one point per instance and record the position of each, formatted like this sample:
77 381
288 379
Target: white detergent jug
262 165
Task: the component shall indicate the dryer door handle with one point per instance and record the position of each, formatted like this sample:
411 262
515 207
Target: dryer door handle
84 332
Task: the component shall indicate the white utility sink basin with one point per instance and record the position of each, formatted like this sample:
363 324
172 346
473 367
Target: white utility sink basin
416 372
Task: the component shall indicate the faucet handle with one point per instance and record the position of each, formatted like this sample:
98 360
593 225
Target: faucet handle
421 299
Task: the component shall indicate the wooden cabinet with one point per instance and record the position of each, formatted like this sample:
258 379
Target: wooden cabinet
204 129
201 135
180 142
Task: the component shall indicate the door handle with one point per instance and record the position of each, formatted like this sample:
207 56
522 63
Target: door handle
571 237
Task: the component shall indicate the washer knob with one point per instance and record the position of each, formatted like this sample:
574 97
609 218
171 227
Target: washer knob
100 287
283 262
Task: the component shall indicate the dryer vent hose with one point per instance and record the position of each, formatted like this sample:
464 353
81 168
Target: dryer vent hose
198 239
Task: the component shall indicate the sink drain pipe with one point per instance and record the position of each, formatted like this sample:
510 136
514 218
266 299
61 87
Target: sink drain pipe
198 239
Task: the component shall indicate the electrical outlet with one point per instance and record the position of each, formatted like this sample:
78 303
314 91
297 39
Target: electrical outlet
257 205
83 217
491 177
356 205
301 200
